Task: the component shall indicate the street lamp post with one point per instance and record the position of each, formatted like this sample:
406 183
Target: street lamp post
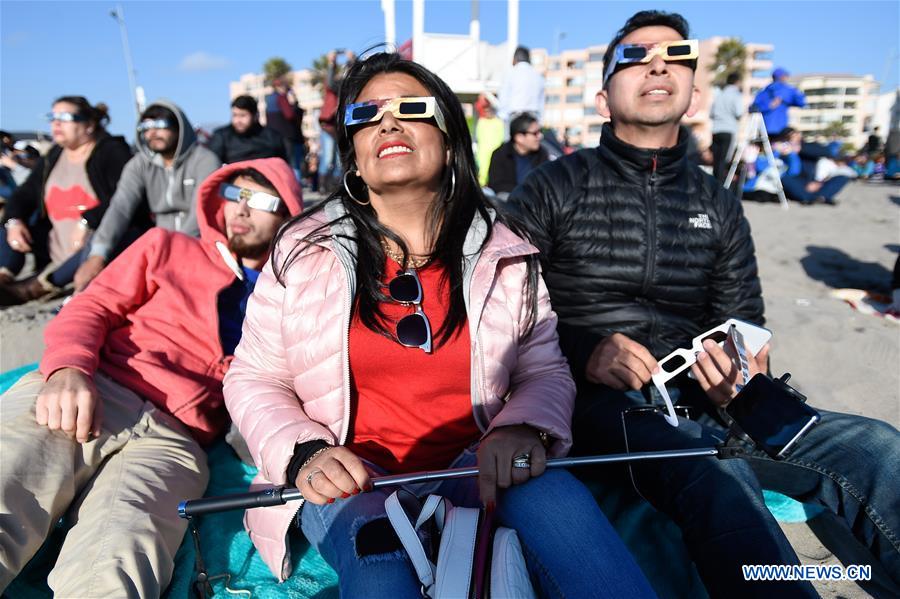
558 36
136 92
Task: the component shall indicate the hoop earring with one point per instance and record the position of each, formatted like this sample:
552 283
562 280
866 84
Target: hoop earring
350 193
452 185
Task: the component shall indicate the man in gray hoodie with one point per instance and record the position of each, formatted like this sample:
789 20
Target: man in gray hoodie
166 173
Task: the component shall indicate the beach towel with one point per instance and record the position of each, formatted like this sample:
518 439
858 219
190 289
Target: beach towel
236 570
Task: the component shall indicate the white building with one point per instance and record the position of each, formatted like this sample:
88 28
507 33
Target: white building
830 97
886 112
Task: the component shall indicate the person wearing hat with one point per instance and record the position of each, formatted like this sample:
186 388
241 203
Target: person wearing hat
773 101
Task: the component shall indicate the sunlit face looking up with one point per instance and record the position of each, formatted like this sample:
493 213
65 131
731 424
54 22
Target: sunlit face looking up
72 133
250 231
653 93
393 153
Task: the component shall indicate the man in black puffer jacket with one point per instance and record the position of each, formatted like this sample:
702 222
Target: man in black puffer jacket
641 252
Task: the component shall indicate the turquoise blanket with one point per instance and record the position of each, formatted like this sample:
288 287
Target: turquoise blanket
234 566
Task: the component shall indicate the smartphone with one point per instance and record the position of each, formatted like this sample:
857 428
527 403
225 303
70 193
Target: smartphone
773 414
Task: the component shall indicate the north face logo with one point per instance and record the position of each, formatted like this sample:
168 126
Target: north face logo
701 221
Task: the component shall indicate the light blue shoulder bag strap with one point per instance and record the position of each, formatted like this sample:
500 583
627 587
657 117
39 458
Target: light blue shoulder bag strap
401 506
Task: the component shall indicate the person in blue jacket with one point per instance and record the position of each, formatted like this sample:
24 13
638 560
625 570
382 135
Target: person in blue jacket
773 102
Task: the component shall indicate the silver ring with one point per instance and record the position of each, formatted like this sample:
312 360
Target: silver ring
310 476
14 243
523 461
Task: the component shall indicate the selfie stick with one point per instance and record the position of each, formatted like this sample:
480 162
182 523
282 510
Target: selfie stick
282 495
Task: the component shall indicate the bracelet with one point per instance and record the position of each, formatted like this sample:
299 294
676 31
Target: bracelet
314 455
84 225
545 439
11 222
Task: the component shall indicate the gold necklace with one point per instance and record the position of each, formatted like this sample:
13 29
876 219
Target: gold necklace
413 261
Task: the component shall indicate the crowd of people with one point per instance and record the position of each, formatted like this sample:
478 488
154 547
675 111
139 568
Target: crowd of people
408 322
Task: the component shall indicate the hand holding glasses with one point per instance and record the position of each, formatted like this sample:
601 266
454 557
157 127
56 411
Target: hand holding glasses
753 338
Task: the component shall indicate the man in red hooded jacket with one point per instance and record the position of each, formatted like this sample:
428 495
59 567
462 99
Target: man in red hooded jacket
130 388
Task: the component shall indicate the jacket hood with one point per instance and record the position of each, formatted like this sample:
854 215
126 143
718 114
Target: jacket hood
186 136
211 206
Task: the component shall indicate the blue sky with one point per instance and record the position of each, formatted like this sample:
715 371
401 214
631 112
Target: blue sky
189 51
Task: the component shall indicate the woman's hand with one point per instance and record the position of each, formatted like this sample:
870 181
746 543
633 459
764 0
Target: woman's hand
18 237
336 473
79 236
495 460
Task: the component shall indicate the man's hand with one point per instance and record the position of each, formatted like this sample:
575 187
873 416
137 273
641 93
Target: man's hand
495 459
69 402
18 237
717 373
87 271
336 473
620 363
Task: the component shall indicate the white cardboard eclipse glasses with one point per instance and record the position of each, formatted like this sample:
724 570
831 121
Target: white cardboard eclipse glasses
754 336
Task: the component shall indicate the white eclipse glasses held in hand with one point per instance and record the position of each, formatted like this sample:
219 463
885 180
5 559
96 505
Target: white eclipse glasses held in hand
754 337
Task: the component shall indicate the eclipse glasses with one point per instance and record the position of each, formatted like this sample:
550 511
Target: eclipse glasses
148 124
627 54
401 108
746 338
65 117
258 200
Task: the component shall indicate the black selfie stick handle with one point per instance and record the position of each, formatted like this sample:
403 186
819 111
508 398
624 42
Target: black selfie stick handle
282 495
237 501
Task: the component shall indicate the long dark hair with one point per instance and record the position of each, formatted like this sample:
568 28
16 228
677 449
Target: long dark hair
448 221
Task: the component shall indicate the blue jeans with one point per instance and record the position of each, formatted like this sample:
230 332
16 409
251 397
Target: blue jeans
296 153
329 164
846 463
569 546
795 188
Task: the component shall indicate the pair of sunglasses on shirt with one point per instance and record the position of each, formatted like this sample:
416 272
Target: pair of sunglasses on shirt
65 117
413 330
745 339
148 124
628 54
258 200
401 108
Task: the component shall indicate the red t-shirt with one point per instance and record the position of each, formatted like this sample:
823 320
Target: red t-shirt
411 410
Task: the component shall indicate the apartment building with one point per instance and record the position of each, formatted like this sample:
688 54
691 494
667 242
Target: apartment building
830 97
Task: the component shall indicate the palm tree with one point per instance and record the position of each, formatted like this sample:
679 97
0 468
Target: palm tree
319 71
836 129
730 58
277 67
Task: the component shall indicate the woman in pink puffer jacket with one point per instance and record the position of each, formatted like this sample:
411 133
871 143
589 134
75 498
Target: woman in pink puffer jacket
403 326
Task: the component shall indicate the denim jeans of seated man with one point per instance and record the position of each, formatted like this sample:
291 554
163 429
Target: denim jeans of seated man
569 546
846 463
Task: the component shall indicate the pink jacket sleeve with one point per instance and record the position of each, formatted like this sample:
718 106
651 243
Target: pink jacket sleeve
259 391
74 338
542 391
